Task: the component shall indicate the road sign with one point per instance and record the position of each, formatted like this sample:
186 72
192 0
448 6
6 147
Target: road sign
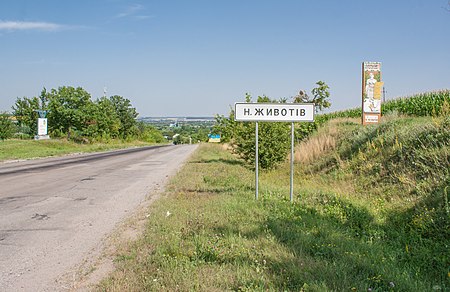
42 126
214 138
274 112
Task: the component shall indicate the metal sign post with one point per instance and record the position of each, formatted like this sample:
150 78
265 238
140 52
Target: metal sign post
274 112
291 192
256 162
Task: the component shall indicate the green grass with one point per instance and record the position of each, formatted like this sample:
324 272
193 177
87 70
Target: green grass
28 149
352 227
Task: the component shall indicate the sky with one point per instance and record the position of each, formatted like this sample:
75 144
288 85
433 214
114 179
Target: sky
199 57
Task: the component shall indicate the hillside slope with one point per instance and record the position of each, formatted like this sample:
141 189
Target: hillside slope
396 175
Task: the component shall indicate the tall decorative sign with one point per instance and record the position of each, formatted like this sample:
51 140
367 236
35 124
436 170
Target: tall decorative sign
42 133
371 92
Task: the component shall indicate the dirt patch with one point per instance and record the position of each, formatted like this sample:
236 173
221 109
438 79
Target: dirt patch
100 261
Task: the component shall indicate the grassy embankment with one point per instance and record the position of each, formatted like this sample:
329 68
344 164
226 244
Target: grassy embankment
371 213
28 149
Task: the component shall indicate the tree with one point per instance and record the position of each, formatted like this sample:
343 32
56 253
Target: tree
301 97
320 96
24 110
43 99
103 121
69 108
223 127
150 134
127 116
7 127
274 137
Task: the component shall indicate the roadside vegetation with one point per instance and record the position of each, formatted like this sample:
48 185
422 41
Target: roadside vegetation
76 123
370 213
73 115
79 123
16 149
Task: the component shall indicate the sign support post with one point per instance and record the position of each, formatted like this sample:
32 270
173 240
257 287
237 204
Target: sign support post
256 162
291 189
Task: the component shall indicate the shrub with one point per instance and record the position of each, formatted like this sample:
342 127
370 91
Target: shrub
7 127
273 145
274 139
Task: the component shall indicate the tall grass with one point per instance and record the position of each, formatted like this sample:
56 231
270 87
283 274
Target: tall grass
319 144
341 234
28 149
401 168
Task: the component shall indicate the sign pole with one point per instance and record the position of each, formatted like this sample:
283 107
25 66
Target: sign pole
256 163
291 193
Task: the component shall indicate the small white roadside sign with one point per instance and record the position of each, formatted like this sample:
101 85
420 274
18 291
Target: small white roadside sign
274 112
42 126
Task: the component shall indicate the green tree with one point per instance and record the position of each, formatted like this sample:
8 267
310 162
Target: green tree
320 96
127 116
24 110
224 126
273 137
7 127
43 98
69 108
103 121
150 134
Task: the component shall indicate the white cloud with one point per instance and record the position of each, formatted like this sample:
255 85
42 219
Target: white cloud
132 11
25 25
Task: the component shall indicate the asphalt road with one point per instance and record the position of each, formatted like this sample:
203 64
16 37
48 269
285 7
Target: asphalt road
54 211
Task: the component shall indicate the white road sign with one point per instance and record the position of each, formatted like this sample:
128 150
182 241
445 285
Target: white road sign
42 126
274 112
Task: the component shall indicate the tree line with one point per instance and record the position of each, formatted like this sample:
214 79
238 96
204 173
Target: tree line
72 113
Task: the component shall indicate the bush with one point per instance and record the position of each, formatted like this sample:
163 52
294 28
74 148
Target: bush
150 134
274 141
7 127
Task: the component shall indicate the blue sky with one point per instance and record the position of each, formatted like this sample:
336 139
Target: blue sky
198 57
